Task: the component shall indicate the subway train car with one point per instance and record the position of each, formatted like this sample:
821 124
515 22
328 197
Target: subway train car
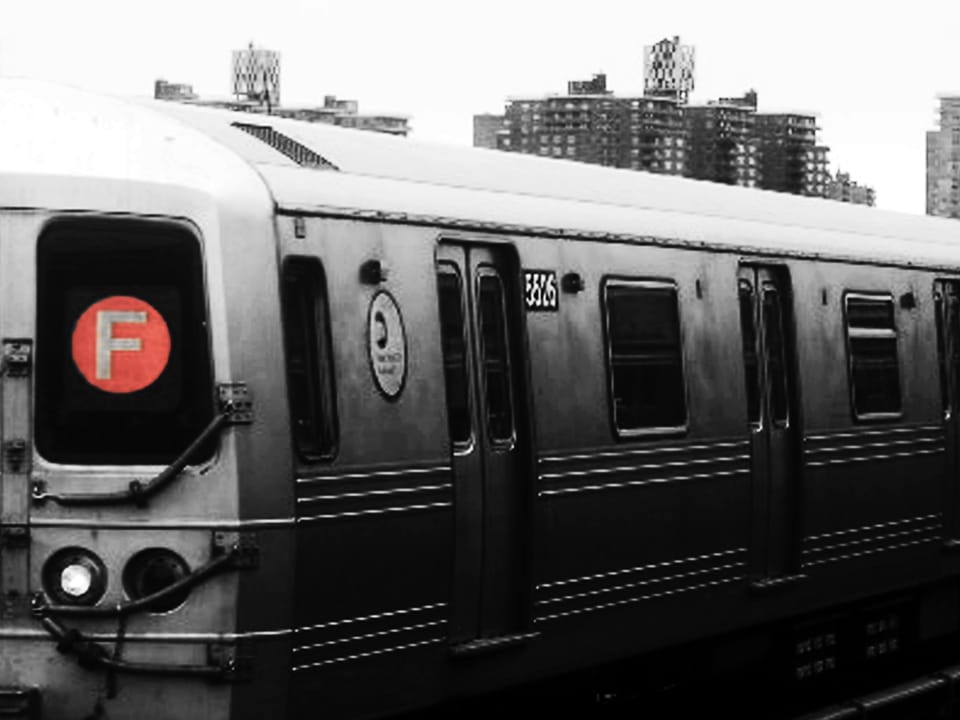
300 421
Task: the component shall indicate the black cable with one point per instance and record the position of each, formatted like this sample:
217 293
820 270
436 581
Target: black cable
137 493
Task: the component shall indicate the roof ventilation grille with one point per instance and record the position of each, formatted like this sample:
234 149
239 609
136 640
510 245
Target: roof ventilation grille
299 153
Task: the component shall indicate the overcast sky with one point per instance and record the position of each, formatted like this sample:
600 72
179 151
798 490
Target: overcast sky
870 70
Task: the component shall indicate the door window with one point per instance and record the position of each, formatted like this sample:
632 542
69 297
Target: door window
453 335
748 330
494 357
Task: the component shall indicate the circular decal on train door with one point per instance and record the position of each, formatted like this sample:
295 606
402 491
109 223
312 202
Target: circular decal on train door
121 344
387 344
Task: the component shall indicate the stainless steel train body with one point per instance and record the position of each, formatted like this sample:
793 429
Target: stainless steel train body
464 420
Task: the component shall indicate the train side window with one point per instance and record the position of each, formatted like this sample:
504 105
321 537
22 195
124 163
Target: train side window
310 376
645 364
874 367
452 333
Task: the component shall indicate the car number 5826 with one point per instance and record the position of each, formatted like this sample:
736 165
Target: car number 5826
540 290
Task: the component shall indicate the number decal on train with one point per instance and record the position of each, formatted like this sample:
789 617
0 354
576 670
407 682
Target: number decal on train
387 344
121 344
540 290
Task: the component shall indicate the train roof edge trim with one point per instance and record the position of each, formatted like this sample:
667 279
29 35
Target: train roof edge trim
482 211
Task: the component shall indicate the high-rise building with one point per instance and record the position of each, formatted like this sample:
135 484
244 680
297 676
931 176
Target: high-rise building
789 156
723 144
844 189
256 75
668 69
655 138
595 126
486 128
724 141
943 161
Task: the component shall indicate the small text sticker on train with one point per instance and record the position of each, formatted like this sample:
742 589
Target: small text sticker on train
540 291
121 344
387 342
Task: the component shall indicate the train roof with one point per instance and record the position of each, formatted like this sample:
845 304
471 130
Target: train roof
53 130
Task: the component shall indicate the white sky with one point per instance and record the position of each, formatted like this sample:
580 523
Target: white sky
871 70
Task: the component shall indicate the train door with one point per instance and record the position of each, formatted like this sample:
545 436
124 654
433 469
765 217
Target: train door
767 326
946 295
482 346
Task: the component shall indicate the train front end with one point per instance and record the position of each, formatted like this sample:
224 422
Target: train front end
133 308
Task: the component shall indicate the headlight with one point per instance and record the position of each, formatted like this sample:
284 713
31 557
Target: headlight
152 570
74 576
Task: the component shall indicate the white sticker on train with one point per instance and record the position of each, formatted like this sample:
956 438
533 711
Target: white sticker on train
387 342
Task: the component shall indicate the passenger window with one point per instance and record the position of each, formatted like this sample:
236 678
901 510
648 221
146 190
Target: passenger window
644 355
309 358
450 291
873 361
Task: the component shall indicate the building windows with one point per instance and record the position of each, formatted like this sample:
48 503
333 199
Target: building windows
873 361
644 356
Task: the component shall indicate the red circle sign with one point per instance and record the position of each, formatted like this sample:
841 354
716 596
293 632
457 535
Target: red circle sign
121 344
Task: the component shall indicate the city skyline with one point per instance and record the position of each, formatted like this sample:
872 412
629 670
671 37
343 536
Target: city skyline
870 75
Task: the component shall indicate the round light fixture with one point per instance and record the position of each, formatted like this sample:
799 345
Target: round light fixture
74 576
150 571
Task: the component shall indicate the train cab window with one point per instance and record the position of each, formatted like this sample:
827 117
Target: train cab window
874 368
452 332
123 363
644 356
310 380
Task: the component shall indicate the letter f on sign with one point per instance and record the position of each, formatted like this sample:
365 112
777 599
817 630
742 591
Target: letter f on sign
143 350
107 344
